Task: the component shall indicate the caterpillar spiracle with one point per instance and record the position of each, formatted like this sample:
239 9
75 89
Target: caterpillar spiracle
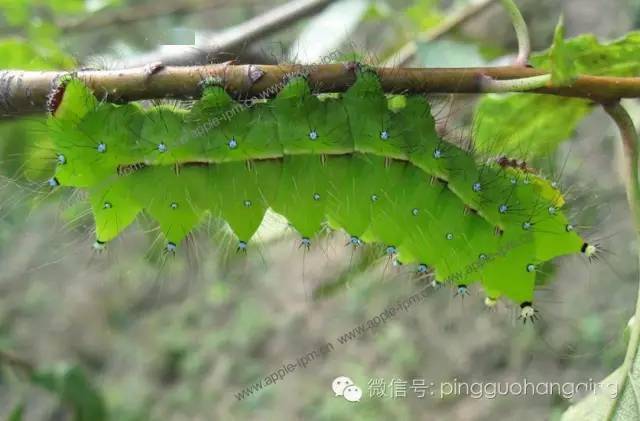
352 162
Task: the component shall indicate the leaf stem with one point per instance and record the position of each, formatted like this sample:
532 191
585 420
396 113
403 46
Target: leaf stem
522 32
630 139
516 85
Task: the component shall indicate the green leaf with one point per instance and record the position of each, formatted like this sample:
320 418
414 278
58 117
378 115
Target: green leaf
525 125
563 69
613 398
596 406
74 389
617 58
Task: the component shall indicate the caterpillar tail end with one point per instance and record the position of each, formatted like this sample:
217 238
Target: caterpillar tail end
591 251
528 313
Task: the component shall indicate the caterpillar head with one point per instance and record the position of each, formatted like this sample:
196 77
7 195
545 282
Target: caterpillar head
69 99
55 95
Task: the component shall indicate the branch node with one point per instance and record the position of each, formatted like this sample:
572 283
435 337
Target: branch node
255 73
153 68
351 67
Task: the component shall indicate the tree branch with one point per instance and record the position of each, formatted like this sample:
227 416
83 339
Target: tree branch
23 92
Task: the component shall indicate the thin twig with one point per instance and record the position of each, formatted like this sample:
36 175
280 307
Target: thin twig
404 55
235 38
17 362
23 92
630 139
125 15
135 13
524 44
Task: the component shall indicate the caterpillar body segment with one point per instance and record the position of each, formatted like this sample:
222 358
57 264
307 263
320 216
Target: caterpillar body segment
303 177
161 140
85 156
170 200
308 125
114 205
244 194
378 172
419 221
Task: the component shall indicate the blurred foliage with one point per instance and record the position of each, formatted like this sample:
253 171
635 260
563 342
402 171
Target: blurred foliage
20 12
24 13
73 388
425 14
39 53
37 49
16 414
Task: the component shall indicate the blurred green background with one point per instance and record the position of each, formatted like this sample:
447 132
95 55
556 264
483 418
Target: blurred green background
123 336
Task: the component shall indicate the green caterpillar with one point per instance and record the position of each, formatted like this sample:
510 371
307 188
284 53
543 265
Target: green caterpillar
380 173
